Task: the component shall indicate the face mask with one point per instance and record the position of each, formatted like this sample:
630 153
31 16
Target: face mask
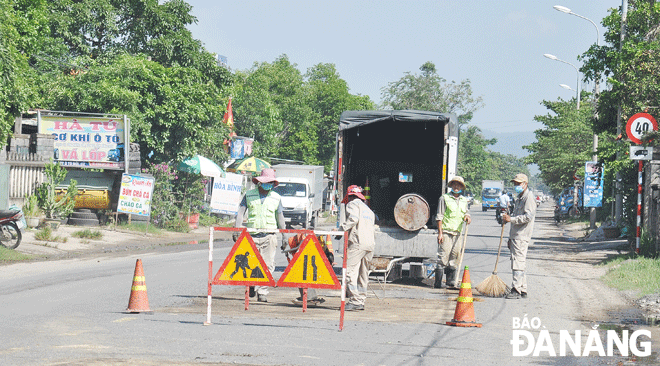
518 189
267 186
456 191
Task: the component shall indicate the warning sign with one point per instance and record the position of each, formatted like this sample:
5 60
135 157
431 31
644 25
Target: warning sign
309 268
244 265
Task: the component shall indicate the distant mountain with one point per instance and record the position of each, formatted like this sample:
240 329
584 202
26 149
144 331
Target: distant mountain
512 143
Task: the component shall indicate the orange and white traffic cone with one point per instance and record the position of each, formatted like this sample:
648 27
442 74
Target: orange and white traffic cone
464 314
139 302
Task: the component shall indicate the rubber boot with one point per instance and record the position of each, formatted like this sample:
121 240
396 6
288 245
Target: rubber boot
438 277
451 277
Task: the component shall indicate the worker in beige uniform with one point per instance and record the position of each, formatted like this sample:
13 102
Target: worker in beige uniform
452 212
522 225
360 224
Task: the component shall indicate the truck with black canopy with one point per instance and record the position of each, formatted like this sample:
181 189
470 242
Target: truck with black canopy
403 159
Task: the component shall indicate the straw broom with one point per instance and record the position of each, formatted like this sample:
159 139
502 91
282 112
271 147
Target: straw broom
493 286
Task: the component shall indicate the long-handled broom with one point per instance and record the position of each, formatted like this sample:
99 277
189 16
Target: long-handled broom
460 259
493 286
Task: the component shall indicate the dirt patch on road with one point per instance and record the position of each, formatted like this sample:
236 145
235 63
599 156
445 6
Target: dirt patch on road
387 303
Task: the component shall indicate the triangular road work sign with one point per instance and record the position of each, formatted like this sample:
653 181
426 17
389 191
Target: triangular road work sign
309 268
244 265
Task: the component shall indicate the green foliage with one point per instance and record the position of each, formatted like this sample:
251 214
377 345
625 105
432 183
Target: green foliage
291 115
31 206
211 220
564 144
175 112
476 163
10 255
163 202
46 234
430 92
178 225
639 274
88 234
52 204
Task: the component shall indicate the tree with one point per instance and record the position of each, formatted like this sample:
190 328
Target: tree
476 163
563 145
632 69
329 97
271 106
23 29
474 160
430 92
291 115
174 111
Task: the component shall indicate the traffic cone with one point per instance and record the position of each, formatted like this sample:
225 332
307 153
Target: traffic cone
139 302
464 314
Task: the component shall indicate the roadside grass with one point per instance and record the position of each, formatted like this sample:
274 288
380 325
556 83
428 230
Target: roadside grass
46 234
140 227
627 272
10 255
88 234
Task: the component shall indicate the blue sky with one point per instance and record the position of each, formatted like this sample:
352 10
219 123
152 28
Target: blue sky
497 45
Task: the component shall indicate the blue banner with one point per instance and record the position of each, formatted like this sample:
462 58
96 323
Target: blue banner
593 184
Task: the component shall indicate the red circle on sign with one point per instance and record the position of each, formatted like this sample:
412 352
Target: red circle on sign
636 126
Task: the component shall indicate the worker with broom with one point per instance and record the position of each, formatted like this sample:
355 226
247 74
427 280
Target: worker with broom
452 212
522 224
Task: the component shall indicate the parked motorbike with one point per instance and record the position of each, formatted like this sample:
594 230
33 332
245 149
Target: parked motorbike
10 234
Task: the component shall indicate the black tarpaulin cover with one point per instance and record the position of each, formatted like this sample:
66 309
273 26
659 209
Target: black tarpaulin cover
351 119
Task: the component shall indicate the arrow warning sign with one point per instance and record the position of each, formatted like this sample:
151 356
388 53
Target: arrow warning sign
309 268
244 265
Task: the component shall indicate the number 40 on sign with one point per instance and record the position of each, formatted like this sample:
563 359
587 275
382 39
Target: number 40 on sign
638 125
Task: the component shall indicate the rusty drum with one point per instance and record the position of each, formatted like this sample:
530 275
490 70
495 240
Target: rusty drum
411 212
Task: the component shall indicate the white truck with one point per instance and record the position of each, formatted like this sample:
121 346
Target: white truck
301 188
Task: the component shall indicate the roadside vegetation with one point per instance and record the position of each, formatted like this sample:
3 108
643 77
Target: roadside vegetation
634 273
46 234
9 255
88 234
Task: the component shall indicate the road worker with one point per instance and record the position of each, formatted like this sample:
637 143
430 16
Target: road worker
522 225
452 212
360 224
264 209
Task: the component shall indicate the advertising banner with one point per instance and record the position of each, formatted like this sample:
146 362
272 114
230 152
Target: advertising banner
135 195
226 194
593 184
86 142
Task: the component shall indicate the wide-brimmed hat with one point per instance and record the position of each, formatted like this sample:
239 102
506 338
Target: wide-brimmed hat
520 178
353 191
267 176
458 179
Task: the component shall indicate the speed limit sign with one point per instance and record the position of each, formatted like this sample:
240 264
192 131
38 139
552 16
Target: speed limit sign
638 125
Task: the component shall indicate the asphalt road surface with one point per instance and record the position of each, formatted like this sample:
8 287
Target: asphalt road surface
72 312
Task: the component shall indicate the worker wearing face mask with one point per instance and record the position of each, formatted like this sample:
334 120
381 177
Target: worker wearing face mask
452 212
264 209
522 225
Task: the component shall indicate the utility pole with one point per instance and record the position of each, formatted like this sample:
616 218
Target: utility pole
618 207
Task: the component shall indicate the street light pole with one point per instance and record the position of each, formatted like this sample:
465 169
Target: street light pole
594 157
553 57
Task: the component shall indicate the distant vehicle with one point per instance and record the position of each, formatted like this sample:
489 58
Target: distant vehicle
301 188
565 203
490 193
